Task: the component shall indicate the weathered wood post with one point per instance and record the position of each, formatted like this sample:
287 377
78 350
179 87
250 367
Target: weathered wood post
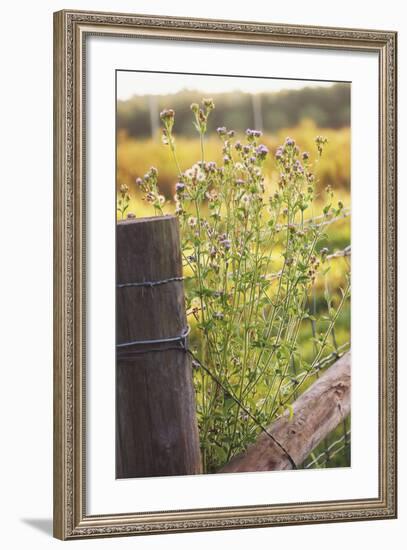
156 427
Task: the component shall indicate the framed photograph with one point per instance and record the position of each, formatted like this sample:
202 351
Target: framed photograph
220 188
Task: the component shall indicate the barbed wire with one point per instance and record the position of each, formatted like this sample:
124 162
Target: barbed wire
328 454
346 212
335 355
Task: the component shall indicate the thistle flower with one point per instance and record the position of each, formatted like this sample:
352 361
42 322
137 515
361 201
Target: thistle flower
252 134
289 142
225 241
261 151
279 153
320 143
167 115
221 131
297 167
208 103
213 251
179 187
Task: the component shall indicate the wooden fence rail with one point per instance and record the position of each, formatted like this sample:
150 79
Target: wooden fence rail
315 414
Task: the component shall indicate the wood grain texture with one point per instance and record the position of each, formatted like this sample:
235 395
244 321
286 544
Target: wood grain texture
315 414
156 427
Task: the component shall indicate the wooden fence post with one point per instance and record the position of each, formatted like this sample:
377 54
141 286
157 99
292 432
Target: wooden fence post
156 427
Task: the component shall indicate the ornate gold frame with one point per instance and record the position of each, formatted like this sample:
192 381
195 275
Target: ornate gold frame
70 518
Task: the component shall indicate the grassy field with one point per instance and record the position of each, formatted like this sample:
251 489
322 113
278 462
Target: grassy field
136 156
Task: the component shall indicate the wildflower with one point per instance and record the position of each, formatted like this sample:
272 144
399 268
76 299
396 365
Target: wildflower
226 244
192 222
179 187
305 155
167 115
262 151
252 134
161 199
123 189
210 166
297 167
208 103
239 182
218 315
320 142
131 216
231 133
194 107
139 182
211 195
221 131
225 241
238 146
226 159
289 142
279 153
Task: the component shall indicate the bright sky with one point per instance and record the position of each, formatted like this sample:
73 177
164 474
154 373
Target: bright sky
132 83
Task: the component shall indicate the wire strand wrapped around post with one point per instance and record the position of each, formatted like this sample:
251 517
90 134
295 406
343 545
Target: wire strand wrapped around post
156 426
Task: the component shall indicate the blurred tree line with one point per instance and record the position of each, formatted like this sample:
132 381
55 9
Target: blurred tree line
328 107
